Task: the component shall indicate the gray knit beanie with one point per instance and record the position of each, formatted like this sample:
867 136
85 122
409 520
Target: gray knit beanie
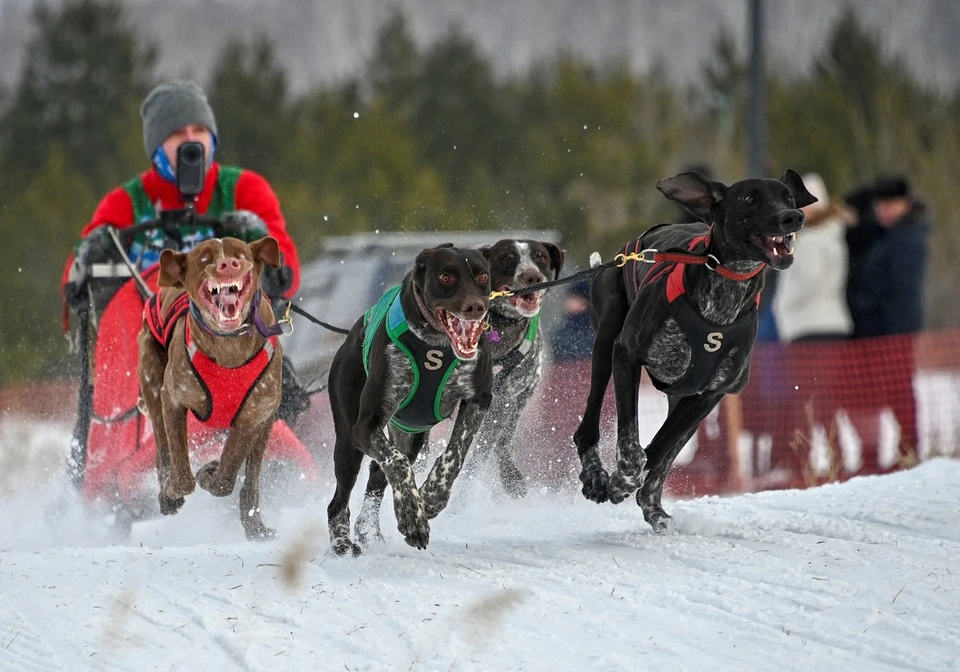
170 106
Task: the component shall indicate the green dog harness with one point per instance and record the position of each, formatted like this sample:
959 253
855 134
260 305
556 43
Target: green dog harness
432 366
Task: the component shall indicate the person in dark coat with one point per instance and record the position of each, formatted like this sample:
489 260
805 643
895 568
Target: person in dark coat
891 267
574 339
890 257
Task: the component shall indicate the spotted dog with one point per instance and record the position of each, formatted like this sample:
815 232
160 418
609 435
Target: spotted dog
691 324
407 364
517 348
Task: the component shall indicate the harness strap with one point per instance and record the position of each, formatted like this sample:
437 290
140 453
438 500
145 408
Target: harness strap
227 388
161 325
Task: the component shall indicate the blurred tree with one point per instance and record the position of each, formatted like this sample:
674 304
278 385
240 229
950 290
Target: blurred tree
85 73
460 122
31 339
248 93
394 67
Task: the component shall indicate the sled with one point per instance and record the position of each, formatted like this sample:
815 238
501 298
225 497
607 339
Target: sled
113 452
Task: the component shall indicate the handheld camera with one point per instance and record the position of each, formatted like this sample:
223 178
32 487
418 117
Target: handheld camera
191 170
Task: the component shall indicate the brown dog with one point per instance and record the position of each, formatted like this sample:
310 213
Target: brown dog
209 345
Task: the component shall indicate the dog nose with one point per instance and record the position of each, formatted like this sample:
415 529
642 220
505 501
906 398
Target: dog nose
474 309
531 277
791 219
230 265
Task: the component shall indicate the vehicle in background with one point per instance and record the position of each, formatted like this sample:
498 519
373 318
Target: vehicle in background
352 272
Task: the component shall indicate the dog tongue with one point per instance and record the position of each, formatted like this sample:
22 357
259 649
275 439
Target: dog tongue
229 304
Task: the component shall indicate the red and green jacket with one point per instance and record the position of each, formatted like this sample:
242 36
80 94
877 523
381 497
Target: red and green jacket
235 189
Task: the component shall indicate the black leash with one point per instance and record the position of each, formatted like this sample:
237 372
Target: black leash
300 311
618 260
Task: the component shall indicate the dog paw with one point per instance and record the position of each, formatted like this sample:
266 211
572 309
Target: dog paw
260 532
367 538
206 479
622 486
346 547
178 487
658 519
368 532
512 481
169 506
596 485
654 514
412 519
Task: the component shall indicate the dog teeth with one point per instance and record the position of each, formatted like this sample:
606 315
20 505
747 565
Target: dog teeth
218 287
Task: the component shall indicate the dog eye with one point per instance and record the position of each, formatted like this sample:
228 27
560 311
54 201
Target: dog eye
204 260
445 278
749 200
482 278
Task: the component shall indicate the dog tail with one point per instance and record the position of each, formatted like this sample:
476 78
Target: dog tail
595 259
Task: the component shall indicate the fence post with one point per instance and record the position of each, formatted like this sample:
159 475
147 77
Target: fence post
734 421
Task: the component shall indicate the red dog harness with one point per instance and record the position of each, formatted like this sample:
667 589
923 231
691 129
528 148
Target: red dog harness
226 388
686 244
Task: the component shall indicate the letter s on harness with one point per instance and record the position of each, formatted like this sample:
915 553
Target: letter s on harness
714 341
434 360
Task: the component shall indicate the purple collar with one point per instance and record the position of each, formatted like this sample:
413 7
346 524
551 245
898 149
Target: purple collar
275 329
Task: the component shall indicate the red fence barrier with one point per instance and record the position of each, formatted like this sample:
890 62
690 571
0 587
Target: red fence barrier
813 412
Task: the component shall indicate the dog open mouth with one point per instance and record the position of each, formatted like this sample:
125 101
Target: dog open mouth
224 301
777 248
464 334
527 305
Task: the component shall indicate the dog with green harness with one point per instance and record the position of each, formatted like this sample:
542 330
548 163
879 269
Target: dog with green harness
412 360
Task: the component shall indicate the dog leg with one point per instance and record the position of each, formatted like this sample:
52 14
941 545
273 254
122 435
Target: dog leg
631 457
682 421
179 482
496 434
250 492
346 464
367 527
219 477
436 489
610 308
152 362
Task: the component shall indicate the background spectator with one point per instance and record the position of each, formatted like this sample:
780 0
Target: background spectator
574 338
890 261
811 302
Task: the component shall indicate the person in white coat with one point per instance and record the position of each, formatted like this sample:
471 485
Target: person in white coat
810 303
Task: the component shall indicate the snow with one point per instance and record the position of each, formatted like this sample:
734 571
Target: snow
861 575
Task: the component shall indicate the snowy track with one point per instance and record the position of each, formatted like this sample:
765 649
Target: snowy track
863 575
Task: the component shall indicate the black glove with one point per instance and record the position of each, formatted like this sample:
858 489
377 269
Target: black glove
294 400
276 281
245 225
97 247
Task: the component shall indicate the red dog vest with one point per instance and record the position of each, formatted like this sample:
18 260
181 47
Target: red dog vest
709 342
226 388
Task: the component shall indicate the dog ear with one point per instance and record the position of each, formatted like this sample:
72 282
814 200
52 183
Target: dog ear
695 192
267 250
556 257
421 261
797 189
173 269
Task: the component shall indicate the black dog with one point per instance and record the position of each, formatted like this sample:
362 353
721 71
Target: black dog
409 363
691 324
517 351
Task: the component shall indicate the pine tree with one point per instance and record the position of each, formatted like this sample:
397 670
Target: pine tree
248 93
84 76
